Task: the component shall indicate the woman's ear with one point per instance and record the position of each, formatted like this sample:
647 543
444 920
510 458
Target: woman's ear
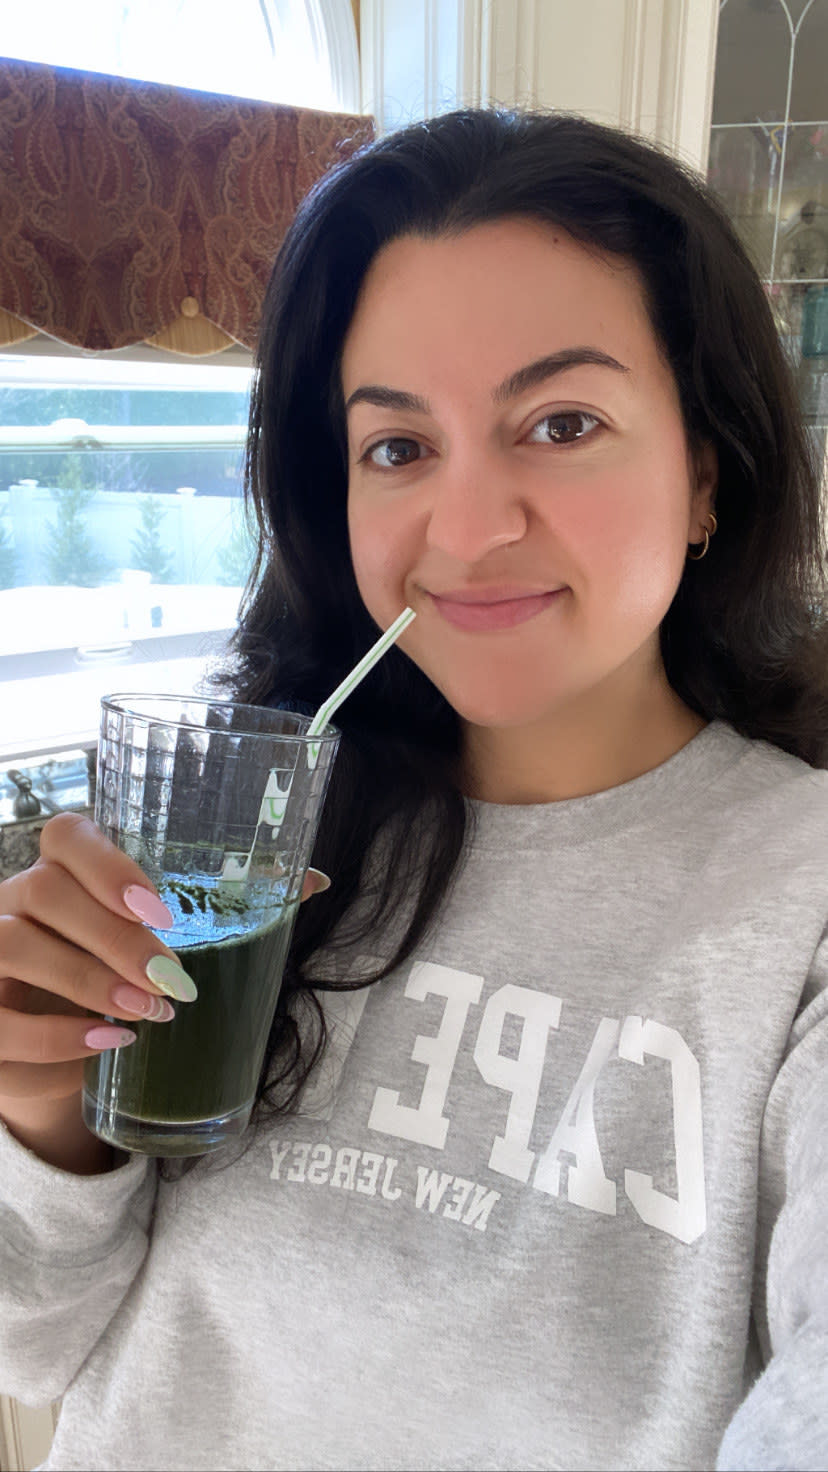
706 480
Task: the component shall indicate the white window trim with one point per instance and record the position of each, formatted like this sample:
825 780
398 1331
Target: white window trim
335 21
666 66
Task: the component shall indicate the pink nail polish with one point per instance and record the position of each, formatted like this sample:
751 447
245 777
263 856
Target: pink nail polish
147 906
108 1037
132 999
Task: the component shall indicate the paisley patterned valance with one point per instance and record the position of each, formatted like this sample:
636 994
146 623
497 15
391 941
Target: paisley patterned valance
135 212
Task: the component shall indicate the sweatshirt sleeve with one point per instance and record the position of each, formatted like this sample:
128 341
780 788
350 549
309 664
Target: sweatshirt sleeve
70 1246
783 1422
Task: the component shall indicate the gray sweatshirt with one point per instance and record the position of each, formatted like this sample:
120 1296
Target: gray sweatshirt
557 1197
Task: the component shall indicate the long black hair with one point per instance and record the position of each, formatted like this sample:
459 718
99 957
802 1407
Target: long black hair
745 638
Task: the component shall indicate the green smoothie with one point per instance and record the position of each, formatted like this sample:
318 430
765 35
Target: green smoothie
204 1066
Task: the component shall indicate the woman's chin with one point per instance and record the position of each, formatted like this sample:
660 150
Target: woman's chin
498 712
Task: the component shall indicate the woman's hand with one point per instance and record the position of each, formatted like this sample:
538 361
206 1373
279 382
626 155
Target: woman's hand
73 951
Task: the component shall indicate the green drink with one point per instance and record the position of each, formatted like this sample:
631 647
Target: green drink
218 804
182 1085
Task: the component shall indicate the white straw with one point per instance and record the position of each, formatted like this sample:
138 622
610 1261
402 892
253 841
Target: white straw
359 672
274 801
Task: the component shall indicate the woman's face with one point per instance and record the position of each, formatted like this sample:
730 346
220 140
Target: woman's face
518 469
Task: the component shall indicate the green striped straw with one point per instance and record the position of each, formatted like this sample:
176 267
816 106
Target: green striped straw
351 681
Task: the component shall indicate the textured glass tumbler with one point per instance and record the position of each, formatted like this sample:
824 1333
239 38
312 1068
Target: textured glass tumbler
219 804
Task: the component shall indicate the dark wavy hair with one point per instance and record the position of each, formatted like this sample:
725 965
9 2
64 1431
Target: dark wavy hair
744 639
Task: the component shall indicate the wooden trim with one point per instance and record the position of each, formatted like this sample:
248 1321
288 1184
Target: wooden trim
697 25
371 49
14 329
513 62
641 67
193 337
475 44
25 1434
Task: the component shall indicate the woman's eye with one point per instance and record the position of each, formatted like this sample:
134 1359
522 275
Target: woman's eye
562 429
394 454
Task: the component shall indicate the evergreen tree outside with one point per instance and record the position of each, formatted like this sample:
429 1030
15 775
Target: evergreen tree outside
235 558
148 552
72 559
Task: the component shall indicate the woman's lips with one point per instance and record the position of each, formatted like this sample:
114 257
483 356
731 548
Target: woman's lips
485 612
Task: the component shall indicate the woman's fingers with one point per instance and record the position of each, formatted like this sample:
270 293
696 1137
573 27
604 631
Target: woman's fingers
43 1039
48 964
108 875
54 901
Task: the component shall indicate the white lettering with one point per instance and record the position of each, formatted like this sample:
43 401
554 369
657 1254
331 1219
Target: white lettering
477 1215
686 1216
389 1192
521 1076
587 1184
370 1169
300 1155
431 1187
344 1171
427 1124
278 1153
320 1165
462 1191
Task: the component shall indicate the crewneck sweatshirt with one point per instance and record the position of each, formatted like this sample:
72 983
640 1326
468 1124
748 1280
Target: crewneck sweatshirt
556 1197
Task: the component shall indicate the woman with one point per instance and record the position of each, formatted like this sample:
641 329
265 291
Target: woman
538 1177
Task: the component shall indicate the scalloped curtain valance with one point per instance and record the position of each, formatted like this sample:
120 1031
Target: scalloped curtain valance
133 212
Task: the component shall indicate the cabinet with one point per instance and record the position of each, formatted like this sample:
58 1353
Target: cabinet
768 162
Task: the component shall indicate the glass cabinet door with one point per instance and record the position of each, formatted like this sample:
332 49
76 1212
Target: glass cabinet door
769 165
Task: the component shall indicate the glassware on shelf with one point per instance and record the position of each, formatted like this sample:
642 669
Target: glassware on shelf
813 372
743 169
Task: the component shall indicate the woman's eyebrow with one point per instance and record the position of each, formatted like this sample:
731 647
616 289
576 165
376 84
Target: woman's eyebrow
517 383
388 398
542 368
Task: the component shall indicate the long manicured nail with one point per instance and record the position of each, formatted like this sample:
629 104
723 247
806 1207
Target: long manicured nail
315 883
129 998
147 906
109 1037
172 979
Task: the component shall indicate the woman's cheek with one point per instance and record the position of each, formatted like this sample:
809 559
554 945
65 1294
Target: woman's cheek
373 560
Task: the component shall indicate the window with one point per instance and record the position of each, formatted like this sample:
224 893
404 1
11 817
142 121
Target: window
123 546
297 51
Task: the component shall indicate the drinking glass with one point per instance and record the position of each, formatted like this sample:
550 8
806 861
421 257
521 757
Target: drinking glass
219 804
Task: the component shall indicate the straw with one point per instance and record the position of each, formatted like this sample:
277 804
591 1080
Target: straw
274 801
359 672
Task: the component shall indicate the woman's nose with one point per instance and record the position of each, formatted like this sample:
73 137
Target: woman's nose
473 512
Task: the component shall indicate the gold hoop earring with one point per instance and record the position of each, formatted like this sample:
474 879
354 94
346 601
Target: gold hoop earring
697 556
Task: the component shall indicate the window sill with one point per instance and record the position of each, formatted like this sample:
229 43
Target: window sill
20 844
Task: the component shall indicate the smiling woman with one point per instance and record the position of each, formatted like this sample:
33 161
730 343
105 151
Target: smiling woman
536 1177
534 507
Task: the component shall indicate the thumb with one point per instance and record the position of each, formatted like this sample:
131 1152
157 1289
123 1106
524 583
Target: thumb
315 883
